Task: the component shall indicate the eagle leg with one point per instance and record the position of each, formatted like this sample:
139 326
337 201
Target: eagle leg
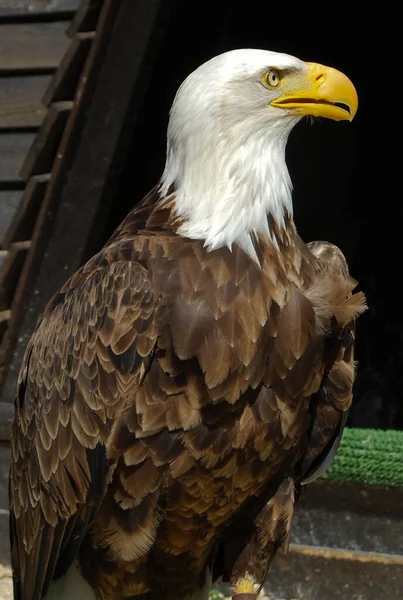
271 532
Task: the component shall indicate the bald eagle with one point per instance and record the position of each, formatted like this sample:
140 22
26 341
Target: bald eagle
185 383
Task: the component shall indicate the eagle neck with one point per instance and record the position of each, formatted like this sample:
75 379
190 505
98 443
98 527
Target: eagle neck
230 187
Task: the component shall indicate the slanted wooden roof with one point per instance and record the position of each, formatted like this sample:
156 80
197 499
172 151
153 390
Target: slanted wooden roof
33 42
68 162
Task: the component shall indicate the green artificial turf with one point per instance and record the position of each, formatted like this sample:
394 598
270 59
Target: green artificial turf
369 457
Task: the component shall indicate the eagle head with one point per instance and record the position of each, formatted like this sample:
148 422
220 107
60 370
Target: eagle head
228 128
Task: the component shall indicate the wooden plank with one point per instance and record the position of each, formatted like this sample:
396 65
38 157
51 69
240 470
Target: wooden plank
21 102
32 45
41 155
23 222
9 203
64 82
27 304
86 17
9 275
11 8
13 149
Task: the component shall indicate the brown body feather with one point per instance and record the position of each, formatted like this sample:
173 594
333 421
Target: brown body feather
171 400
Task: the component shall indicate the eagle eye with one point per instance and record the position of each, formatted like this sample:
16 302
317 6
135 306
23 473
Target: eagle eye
272 78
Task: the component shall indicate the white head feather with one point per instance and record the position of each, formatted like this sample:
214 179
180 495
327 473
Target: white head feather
226 149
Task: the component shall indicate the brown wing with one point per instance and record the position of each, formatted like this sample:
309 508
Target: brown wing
88 354
329 406
248 546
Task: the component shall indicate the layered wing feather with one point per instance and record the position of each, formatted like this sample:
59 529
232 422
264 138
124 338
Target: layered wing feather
87 356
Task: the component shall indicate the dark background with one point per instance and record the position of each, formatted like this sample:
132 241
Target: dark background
346 186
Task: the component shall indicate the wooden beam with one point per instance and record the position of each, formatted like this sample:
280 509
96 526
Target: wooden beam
21 100
86 17
16 240
64 82
9 203
13 149
21 226
24 8
9 274
32 45
42 153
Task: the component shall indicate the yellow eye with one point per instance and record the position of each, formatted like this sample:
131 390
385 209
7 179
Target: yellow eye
272 78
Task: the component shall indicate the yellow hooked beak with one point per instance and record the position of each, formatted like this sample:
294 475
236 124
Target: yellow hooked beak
322 92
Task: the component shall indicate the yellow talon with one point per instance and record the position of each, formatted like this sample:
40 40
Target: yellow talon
245 586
